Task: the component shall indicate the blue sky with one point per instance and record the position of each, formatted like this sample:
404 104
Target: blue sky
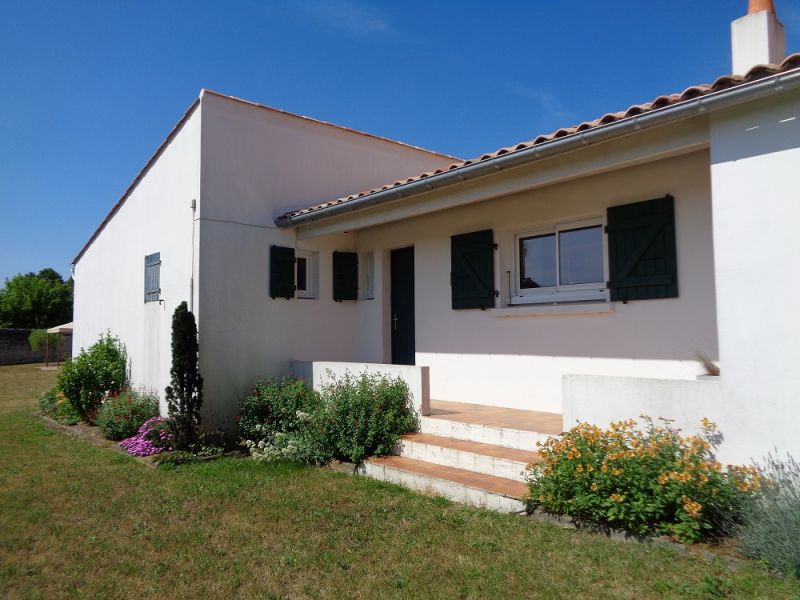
88 90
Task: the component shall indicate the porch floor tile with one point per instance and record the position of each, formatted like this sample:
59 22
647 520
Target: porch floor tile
494 416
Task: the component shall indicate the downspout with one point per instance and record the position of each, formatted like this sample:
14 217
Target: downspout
684 110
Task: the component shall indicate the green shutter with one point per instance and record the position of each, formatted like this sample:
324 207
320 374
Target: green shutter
152 277
472 270
641 250
281 272
345 276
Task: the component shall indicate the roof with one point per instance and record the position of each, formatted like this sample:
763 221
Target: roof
723 83
66 329
171 135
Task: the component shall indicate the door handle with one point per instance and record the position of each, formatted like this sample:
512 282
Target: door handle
394 322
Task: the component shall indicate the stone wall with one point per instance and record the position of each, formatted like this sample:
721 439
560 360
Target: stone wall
15 350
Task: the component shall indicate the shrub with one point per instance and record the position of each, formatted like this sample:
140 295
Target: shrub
55 405
88 377
121 416
153 437
645 481
771 525
272 406
365 416
38 340
282 419
351 419
185 392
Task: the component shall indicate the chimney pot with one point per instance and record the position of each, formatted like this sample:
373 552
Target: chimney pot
761 6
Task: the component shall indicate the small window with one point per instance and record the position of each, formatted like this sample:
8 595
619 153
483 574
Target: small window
306 274
564 262
152 277
367 276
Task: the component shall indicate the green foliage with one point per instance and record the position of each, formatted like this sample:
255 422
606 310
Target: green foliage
121 416
88 377
185 393
771 526
55 405
352 419
273 406
366 415
645 481
34 300
282 419
38 340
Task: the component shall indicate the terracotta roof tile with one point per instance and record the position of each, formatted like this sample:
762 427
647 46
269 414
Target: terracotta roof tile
723 83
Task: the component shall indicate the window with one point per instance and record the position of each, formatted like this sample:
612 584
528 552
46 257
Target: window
561 263
306 274
366 274
152 277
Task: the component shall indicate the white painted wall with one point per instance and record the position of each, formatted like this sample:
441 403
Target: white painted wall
755 158
255 163
109 277
601 400
485 357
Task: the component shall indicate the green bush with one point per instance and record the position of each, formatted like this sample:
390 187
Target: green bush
771 525
272 406
185 393
55 405
121 416
366 415
38 340
88 377
282 419
645 481
353 418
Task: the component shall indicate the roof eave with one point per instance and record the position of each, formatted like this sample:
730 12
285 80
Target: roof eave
718 100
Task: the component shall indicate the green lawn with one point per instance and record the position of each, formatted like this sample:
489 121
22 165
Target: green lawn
80 521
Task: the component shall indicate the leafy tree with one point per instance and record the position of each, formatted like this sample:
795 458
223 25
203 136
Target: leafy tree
36 300
185 394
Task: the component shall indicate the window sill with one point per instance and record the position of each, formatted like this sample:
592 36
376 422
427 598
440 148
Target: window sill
545 310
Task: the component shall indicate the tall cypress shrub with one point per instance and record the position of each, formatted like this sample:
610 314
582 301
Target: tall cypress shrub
185 394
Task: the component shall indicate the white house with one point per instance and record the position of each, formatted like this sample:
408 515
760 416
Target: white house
575 274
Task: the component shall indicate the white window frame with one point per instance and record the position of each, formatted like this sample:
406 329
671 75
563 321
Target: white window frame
579 292
366 275
312 275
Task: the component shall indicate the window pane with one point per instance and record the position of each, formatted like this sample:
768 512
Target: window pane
302 269
581 255
537 259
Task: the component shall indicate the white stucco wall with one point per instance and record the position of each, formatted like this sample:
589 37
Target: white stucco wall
109 277
255 163
600 400
755 157
485 357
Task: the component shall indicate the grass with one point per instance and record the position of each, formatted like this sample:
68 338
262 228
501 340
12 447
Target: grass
81 521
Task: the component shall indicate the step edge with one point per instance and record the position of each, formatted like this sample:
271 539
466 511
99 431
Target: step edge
487 455
471 487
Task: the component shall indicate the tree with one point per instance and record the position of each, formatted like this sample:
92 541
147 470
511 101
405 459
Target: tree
185 393
36 300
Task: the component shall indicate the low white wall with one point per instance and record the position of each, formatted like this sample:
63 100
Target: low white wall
600 400
417 378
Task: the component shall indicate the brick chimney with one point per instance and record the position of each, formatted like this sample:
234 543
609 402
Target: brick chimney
757 38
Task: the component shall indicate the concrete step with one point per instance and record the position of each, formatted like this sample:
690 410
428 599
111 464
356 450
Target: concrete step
488 459
458 485
507 437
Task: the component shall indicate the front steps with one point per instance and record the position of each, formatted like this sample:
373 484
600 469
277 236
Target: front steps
473 454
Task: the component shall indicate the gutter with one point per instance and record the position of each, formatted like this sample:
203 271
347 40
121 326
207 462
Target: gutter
684 110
